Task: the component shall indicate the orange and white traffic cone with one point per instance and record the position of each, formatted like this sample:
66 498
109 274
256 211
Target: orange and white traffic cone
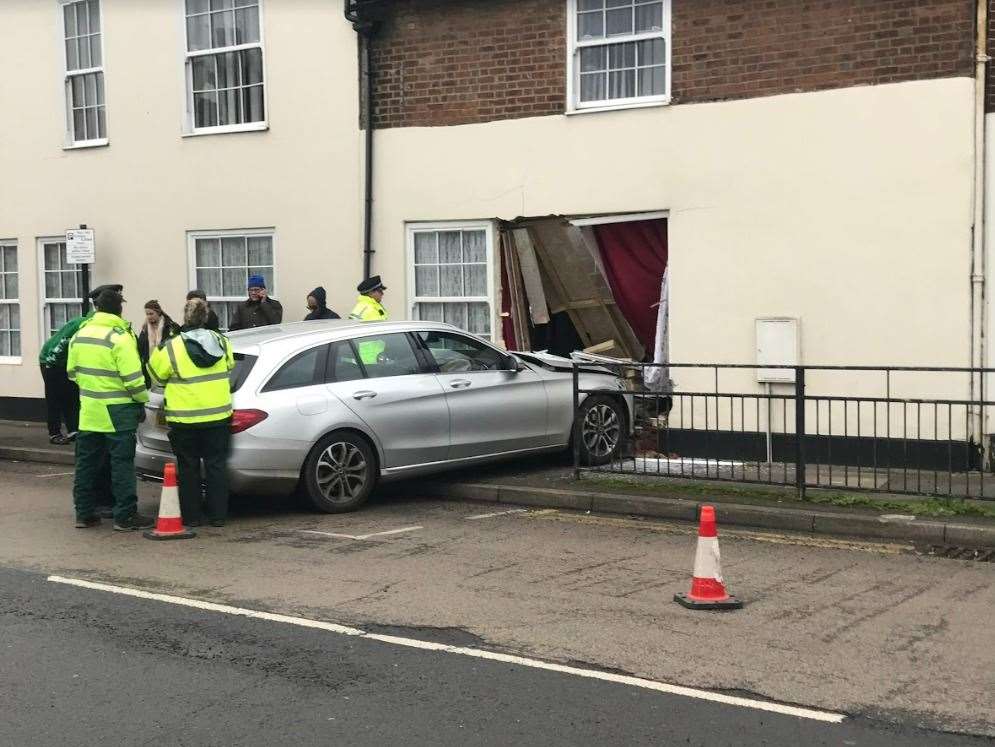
169 525
708 592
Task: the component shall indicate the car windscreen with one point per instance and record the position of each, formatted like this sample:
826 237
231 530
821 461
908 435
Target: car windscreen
243 364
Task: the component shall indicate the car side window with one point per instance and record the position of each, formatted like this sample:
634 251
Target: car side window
387 355
343 363
455 353
299 371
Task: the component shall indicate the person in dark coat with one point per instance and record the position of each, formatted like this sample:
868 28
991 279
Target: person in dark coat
157 329
212 319
317 307
259 310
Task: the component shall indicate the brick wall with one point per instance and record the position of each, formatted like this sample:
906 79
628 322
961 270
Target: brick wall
447 62
453 62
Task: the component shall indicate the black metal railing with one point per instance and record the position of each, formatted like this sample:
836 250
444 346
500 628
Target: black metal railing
897 429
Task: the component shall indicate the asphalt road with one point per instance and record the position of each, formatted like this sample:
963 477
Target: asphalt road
89 667
873 631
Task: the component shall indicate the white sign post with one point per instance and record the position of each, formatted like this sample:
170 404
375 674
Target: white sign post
80 248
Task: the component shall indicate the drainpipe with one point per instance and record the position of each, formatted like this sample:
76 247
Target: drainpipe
978 260
365 28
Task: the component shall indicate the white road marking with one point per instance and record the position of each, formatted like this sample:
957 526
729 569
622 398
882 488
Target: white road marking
594 674
362 536
496 513
58 474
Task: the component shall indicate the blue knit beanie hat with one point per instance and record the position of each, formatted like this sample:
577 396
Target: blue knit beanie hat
256 281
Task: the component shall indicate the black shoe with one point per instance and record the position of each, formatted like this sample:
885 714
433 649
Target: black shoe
105 512
133 522
88 523
193 523
71 437
217 522
58 439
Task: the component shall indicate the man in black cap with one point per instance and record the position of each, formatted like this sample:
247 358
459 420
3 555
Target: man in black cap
103 361
369 306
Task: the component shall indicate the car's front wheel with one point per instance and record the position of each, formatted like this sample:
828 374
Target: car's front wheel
340 473
602 429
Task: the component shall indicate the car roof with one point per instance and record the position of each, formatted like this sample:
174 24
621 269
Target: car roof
331 329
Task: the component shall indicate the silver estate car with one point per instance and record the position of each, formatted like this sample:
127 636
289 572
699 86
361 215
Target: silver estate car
333 407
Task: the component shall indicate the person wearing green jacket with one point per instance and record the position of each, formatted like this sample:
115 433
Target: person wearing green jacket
61 394
103 361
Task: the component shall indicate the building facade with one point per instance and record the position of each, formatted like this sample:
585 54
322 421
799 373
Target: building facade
813 162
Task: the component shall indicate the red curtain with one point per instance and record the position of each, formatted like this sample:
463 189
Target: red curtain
634 254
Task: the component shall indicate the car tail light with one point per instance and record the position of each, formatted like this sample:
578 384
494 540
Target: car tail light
244 419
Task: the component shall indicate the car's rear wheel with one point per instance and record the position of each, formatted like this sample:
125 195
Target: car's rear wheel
602 429
340 473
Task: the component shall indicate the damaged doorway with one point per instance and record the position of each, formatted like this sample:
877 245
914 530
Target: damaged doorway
592 284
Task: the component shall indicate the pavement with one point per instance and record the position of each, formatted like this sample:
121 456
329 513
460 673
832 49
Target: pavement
549 482
895 640
91 667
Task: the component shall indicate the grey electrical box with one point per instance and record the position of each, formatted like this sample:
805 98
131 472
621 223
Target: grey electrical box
778 343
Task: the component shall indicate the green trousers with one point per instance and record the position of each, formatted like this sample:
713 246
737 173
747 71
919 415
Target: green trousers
91 451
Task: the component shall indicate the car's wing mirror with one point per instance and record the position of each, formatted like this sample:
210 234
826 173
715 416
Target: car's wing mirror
511 363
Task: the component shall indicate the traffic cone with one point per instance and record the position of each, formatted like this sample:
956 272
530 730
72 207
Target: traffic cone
707 590
169 525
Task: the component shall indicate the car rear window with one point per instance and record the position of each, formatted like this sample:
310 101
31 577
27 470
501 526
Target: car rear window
243 364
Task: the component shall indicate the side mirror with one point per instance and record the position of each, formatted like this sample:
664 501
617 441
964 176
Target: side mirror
511 363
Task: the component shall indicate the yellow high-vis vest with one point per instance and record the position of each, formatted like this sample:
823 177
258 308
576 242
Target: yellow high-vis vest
103 361
194 394
368 309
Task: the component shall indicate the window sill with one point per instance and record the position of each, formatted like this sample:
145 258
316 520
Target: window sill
11 360
619 107
228 129
103 142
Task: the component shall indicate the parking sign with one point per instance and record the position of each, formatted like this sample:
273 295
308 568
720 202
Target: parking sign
80 249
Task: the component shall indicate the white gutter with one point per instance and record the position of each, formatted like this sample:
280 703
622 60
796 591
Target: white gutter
978 263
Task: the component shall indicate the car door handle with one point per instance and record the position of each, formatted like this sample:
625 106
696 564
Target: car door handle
364 394
460 383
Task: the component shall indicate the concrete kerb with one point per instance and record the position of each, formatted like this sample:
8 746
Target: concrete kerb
731 514
918 531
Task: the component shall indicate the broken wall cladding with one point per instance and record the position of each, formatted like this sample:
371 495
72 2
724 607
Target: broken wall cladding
450 62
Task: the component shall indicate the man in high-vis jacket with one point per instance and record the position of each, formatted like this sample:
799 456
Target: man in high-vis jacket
369 305
194 367
103 361
369 308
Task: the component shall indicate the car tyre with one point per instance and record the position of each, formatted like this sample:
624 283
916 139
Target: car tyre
602 430
340 473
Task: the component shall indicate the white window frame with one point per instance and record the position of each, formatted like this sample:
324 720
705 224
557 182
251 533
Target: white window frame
574 106
70 143
43 299
4 244
189 118
491 299
192 236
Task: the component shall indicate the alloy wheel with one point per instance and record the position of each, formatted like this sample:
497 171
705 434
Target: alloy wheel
341 472
601 430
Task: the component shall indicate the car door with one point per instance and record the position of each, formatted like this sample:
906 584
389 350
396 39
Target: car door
493 409
381 379
297 408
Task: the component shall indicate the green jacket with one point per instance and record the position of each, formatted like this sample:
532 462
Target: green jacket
56 349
